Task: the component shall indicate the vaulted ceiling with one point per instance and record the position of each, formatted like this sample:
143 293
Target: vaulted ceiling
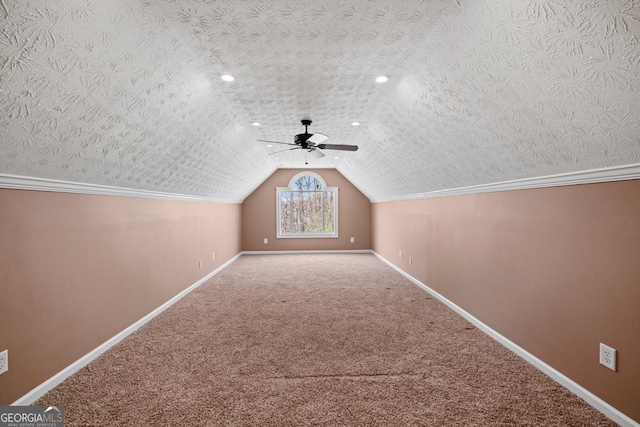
128 93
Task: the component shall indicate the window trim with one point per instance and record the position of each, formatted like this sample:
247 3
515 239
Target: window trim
279 191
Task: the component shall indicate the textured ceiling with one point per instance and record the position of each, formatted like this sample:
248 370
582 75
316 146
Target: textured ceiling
128 93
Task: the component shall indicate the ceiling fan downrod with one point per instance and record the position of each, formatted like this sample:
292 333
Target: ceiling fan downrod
306 123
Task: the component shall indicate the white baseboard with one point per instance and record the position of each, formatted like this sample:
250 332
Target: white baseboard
328 251
52 382
593 400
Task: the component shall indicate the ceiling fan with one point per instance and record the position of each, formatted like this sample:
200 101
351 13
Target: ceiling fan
312 142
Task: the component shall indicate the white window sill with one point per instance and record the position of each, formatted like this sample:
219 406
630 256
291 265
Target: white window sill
307 236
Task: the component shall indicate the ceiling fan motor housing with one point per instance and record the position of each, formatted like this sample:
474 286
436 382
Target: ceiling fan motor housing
301 139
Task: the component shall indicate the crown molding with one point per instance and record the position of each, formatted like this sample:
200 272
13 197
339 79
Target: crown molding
616 173
591 176
17 182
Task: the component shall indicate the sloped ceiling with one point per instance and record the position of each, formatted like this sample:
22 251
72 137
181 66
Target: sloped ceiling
128 93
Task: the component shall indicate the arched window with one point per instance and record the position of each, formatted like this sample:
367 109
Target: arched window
307 208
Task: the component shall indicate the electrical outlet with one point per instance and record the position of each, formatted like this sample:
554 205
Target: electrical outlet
4 362
410 261
200 264
213 256
608 356
400 253
266 240
353 239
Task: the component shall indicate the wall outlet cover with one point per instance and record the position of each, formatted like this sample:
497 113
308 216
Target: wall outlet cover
4 361
608 356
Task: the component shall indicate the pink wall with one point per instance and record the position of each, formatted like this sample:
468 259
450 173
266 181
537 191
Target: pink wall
259 216
555 270
77 269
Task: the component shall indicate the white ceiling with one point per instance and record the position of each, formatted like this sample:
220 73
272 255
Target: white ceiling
128 93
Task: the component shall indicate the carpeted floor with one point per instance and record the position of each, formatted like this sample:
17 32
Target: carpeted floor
278 340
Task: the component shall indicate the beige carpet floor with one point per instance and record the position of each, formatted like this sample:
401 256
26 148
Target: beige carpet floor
322 339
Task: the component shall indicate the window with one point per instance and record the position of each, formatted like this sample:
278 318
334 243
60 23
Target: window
307 208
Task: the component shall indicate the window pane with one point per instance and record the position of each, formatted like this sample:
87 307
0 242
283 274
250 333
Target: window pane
307 215
314 222
298 212
329 209
285 212
307 183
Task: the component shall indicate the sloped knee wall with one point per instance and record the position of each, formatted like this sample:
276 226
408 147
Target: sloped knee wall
75 270
554 270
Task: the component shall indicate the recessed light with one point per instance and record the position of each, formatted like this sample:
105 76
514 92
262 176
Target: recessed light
336 158
277 158
227 77
355 124
269 145
255 124
382 79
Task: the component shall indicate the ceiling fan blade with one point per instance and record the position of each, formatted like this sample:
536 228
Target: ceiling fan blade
316 153
317 138
287 149
338 147
276 142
